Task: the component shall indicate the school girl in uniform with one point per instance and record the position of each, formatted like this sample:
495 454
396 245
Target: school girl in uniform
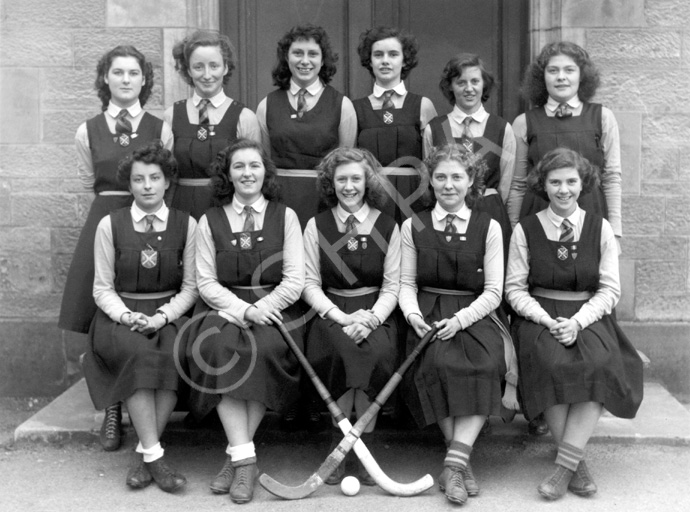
250 272
452 275
352 253
304 118
207 122
562 281
467 84
144 285
124 80
391 120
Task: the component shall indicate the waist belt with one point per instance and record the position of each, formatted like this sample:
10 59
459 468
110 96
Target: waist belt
147 296
445 291
194 182
561 294
354 292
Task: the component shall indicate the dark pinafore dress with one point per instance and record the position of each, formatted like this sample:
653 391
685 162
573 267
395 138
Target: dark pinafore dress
394 137
490 146
462 376
120 361
300 144
580 133
78 308
196 147
247 364
602 366
338 361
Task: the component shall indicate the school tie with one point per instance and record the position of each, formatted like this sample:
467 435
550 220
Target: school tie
248 219
203 111
563 111
149 223
567 231
301 103
466 133
350 224
122 124
450 227
387 101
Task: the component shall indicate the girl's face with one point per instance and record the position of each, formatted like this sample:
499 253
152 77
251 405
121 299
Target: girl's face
207 69
563 186
468 89
562 77
350 183
148 184
247 173
125 80
305 60
387 61
450 182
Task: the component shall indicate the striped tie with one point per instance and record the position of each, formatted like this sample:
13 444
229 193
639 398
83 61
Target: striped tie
122 124
248 219
301 103
350 224
563 111
203 111
149 223
467 134
387 101
567 231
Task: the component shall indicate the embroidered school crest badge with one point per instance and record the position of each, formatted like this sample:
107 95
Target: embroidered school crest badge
387 118
245 241
562 253
352 244
202 134
123 140
149 257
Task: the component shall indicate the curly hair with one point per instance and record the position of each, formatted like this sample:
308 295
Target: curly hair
374 194
454 68
182 52
281 72
219 170
409 44
153 153
474 166
560 158
103 67
534 84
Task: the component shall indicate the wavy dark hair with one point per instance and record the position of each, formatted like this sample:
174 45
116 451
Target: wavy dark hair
409 44
106 61
182 52
219 170
534 86
454 68
153 153
474 165
558 159
281 72
374 194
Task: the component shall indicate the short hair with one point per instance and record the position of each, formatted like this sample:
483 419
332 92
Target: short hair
454 68
153 153
409 44
219 170
182 52
473 163
534 85
281 72
560 158
374 194
103 67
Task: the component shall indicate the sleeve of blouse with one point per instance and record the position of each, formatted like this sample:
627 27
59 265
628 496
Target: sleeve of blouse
263 128
408 272
104 293
517 290
490 298
507 163
168 116
167 136
186 297
84 159
292 284
609 291
611 181
313 287
519 182
427 142
215 294
347 130
427 112
390 288
248 126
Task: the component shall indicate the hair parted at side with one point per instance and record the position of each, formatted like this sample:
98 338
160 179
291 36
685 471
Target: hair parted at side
409 44
182 52
561 158
474 166
219 170
281 72
106 61
454 68
153 153
534 85
374 195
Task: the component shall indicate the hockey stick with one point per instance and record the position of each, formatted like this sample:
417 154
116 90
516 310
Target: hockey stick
352 434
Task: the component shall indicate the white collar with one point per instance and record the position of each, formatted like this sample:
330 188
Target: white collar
133 111
440 213
258 206
138 213
216 101
361 214
313 89
480 115
557 220
399 89
574 103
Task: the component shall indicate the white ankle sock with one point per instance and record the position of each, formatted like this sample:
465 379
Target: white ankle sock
153 453
139 448
241 451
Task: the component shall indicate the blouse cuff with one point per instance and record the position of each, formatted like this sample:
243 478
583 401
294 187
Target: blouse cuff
512 378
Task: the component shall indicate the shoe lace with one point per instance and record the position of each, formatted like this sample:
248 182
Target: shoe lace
227 470
112 422
467 473
243 475
456 479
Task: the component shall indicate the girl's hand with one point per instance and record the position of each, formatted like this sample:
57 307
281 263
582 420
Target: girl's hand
417 323
150 324
263 315
366 318
448 327
357 332
509 399
565 331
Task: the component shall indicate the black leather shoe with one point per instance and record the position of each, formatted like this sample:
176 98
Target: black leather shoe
167 478
337 476
555 486
242 488
221 484
290 422
582 484
455 487
443 478
471 485
538 426
138 475
111 429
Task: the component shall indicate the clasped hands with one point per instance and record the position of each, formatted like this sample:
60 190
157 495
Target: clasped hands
142 323
447 328
563 329
357 325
